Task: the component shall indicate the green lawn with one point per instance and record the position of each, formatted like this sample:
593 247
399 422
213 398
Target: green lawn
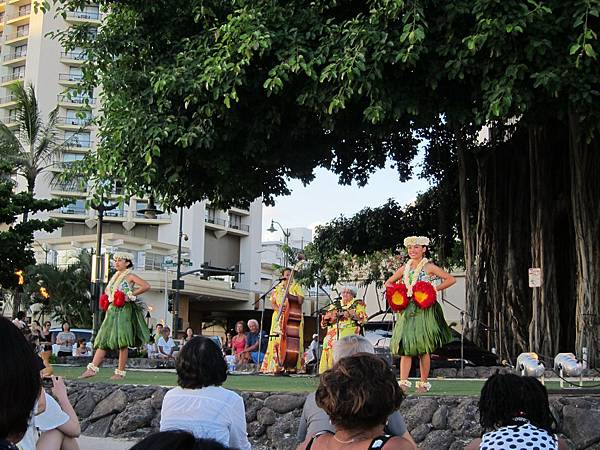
265 383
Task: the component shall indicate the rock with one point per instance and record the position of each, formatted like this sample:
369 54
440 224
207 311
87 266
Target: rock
266 416
252 407
440 418
581 425
437 440
467 372
459 444
420 432
464 415
134 417
255 429
155 424
282 433
261 395
157 398
284 403
485 372
101 427
114 403
85 405
421 412
445 373
140 393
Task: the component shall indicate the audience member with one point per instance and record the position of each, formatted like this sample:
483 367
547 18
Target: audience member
58 425
20 385
82 349
189 334
20 322
315 420
310 358
177 440
358 393
166 345
200 405
46 335
158 332
514 412
65 340
238 344
36 328
227 345
151 348
253 339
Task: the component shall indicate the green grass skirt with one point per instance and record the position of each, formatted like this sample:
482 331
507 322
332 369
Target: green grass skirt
122 327
419 331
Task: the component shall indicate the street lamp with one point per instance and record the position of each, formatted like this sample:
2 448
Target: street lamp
96 276
151 212
286 234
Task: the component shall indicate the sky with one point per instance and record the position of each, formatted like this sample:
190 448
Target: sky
324 199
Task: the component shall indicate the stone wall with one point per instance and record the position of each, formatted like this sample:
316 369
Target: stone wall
438 423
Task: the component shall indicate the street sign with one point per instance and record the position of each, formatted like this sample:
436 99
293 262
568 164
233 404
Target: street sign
175 284
535 277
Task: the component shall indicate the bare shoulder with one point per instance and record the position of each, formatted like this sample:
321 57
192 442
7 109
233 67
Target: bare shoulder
399 443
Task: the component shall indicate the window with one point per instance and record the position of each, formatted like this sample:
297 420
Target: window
18 72
77 207
20 50
211 214
71 157
24 10
76 139
74 117
23 30
235 221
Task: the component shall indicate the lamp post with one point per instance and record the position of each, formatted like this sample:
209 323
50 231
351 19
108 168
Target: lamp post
286 235
96 276
178 284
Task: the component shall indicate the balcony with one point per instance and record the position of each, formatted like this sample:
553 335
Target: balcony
74 122
10 120
73 57
6 79
69 78
13 58
79 100
71 186
75 144
219 223
8 101
83 16
70 210
240 227
19 17
13 38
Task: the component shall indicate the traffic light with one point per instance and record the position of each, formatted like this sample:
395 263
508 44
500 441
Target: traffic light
171 298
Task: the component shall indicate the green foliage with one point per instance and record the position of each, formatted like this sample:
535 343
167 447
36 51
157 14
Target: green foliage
68 288
16 238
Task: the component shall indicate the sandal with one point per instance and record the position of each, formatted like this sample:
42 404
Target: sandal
422 386
405 385
119 375
91 371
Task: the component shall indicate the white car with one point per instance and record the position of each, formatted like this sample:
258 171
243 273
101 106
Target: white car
80 333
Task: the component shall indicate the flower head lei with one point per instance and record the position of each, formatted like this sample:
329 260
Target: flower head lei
413 240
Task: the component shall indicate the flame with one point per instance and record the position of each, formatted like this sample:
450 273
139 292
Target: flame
19 273
44 293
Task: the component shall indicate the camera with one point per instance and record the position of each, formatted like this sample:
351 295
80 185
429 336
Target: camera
47 383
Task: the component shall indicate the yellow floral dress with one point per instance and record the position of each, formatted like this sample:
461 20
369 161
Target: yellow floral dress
347 327
270 364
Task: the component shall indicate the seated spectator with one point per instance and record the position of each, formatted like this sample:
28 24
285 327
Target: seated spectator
189 334
200 405
151 348
516 409
310 357
315 420
58 425
358 394
20 322
227 345
65 340
176 440
238 344
157 332
82 349
20 386
36 329
166 345
253 339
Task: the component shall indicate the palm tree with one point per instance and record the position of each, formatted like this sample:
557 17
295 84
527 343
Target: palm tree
31 148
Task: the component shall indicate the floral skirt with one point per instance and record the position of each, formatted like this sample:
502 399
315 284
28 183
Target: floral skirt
329 340
122 327
419 331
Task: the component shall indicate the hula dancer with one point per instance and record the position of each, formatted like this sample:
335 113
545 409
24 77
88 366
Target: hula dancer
123 324
420 324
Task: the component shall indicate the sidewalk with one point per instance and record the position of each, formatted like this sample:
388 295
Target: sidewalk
92 443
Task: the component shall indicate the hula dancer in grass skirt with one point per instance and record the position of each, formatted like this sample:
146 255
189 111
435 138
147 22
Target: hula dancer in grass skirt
123 324
420 324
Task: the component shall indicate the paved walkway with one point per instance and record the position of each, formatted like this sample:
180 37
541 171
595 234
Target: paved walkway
92 443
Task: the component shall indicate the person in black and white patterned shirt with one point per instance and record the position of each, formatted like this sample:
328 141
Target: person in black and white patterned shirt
515 414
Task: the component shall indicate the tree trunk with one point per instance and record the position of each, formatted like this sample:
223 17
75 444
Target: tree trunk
585 189
545 187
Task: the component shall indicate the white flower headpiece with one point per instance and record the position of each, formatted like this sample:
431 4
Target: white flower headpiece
123 255
416 240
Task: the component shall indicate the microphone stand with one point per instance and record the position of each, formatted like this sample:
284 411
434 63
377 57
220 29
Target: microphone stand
319 286
262 318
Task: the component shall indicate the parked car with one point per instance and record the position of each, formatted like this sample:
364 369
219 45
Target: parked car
80 333
448 356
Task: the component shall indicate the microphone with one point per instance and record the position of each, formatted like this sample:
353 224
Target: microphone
281 279
505 363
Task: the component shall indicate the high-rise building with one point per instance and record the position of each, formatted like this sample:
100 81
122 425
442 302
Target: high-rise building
227 240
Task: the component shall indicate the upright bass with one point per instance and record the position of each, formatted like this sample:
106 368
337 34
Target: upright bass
290 323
